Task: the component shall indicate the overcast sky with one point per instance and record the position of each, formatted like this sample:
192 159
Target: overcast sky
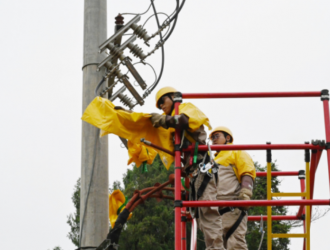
217 46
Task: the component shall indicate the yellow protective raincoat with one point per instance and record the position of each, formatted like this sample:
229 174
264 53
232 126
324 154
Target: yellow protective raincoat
116 201
134 126
241 160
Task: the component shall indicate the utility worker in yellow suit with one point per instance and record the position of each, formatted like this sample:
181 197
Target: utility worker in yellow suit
189 116
225 227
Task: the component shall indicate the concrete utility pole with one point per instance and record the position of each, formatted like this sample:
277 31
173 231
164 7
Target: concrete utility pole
94 220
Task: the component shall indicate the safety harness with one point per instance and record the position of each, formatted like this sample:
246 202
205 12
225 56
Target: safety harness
210 171
236 224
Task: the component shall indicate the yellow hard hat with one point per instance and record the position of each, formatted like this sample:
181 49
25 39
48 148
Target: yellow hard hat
164 91
223 129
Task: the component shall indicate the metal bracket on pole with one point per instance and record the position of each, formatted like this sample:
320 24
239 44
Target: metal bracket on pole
136 95
104 45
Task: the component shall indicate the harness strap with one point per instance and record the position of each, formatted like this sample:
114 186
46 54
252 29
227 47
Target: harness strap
201 189
225 210
193 193
236 224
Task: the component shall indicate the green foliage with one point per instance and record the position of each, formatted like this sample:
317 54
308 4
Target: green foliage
74 219
260 193
152 223
57 248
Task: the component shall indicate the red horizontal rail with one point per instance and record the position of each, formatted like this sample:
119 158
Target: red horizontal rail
254 203
278 173
250 95
257 147
274 217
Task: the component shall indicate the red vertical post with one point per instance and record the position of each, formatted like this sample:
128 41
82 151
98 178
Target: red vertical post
325 99
177 182
183 229
302 188
301 211
316 155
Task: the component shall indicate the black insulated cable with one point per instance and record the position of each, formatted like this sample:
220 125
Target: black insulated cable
177 13
152 87
177 9
98 86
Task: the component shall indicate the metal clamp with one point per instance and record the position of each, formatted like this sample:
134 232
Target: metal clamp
178 203
177 97
324 95
301 174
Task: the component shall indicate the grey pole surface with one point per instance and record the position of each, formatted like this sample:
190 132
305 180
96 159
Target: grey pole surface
94 224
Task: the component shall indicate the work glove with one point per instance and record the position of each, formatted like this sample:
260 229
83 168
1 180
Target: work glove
245 193
177 121
121 108
158 120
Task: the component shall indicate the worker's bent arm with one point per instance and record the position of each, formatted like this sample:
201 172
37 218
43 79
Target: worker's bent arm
245 165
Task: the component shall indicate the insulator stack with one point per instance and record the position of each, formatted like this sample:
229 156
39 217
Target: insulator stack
136 51
126 100
140 32
114 50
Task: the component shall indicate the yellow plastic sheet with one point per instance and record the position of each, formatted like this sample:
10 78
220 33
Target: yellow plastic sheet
116 200
241 160
196 117
134 126
140 153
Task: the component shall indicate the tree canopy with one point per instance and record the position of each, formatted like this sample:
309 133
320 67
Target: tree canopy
152 223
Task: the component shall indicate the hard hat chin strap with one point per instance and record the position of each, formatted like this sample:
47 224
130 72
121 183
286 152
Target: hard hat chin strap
172 108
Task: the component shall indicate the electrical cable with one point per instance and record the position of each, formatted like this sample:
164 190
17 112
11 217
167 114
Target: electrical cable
137 13
152 87
172 14
90 184
162 24
168 36
177 13
98 86
148 65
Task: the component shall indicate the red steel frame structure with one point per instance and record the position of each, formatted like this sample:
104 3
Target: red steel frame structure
180 206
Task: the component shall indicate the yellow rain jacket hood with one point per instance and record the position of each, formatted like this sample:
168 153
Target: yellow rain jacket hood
117 202
134 126
241 160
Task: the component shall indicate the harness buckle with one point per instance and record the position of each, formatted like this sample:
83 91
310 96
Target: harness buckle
205 168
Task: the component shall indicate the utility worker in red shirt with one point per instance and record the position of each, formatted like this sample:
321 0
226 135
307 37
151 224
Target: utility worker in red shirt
225 227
